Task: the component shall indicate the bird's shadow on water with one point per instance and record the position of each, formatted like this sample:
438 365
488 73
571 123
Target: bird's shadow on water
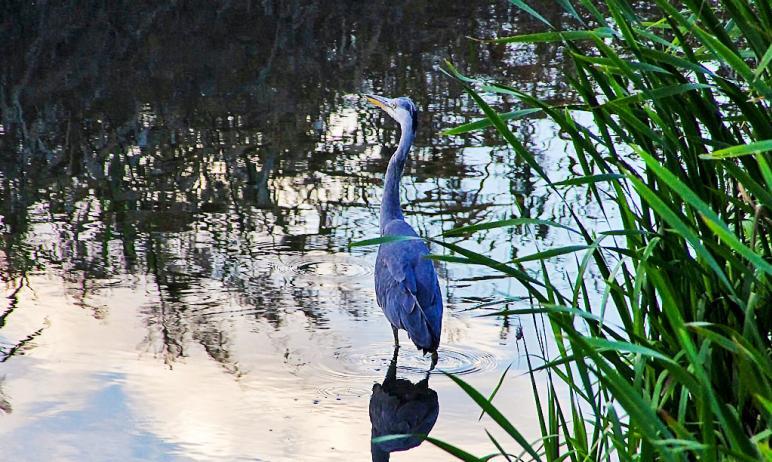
401 407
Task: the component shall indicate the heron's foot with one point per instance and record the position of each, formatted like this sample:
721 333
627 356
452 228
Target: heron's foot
435 357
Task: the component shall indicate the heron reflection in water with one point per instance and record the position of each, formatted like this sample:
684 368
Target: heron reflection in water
406 285
401 407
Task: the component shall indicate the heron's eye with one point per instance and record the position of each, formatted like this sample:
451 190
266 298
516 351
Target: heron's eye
394 105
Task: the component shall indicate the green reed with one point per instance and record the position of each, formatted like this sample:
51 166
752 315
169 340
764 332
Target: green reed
681 142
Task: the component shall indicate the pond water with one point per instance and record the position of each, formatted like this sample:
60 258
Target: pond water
180 186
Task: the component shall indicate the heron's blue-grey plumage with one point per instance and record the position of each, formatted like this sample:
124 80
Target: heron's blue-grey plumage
406 284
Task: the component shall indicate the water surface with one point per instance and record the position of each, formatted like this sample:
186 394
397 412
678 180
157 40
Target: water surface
180 186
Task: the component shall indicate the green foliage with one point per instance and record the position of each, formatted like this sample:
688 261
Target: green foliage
682 137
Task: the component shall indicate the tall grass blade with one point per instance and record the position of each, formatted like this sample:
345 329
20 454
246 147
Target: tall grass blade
497 416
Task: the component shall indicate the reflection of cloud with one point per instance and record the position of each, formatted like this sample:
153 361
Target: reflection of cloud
96 389
204 412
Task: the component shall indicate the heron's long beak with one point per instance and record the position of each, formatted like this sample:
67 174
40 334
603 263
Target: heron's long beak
379 101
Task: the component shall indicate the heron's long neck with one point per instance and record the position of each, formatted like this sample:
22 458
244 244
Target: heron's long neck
390 208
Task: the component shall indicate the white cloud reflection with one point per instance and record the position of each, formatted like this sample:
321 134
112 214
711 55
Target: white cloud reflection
100 389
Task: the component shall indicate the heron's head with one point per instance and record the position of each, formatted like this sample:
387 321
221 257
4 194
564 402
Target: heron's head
401 109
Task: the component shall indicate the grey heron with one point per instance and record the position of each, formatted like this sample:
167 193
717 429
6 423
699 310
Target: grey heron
406 285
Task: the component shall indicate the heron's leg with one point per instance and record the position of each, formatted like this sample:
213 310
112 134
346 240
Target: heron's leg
391 374
435 357
396 336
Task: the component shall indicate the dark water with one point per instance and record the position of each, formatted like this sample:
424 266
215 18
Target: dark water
179 185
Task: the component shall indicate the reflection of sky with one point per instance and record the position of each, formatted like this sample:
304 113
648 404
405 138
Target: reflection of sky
250 331
96 431
95 389
193 295
242 347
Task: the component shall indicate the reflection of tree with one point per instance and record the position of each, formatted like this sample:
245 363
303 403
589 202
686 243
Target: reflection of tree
15 279
5 404
136 129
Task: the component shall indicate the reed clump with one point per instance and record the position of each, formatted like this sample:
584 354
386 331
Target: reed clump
680 145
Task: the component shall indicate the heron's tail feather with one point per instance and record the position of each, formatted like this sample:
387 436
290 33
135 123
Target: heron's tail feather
418 327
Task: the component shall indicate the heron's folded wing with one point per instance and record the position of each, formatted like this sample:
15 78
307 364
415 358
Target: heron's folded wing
429 295
403 292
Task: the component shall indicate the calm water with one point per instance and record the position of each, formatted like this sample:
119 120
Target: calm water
179 187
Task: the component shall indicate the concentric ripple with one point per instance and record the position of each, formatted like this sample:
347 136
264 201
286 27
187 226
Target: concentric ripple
316 268
372 361
343 391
